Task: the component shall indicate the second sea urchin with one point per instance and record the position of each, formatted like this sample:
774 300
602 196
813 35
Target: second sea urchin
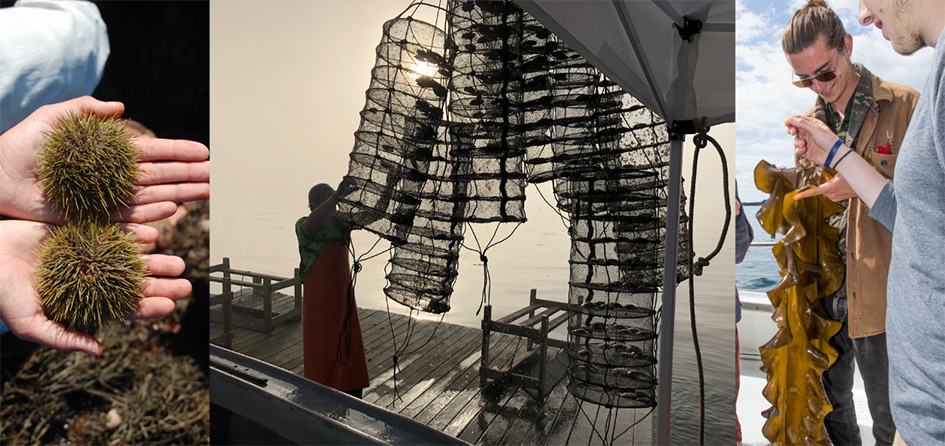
89 273
88 167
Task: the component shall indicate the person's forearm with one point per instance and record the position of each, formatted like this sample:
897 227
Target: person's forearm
860 175
320 215
4 187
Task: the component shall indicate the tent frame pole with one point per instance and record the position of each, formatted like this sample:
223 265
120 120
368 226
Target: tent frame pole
668 310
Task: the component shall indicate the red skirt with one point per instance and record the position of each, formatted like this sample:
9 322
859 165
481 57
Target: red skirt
334 349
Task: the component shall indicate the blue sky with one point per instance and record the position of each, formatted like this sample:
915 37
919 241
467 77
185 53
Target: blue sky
765 95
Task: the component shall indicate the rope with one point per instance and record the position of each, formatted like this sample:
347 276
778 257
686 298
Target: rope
634 424
701 139
390 322
485 299
400 350
593 424
432 335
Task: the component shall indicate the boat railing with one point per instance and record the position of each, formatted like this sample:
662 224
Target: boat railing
281 407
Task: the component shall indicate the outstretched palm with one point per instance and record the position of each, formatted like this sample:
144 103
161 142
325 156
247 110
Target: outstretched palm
174 170
20 304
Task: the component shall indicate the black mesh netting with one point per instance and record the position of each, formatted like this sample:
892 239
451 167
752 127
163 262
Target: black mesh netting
403 185
487 118
615 191
608 158
459 118
399 125
424 267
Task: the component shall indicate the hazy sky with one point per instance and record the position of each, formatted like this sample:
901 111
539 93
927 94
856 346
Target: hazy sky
288 84
765 95
289 79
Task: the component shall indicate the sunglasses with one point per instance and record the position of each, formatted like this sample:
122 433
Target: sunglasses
825 76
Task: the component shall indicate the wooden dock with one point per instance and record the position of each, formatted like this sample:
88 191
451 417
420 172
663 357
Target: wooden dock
437 381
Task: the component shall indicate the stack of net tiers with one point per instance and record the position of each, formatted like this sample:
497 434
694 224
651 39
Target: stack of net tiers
424 267
811 268
487 113
608 161
400 124
588 118
616 275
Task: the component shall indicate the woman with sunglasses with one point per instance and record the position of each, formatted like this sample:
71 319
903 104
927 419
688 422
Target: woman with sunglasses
870 115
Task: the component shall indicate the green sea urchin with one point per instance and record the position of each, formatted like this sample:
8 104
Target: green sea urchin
89 274
88 167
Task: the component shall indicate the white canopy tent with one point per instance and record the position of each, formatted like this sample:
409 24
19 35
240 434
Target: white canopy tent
676 57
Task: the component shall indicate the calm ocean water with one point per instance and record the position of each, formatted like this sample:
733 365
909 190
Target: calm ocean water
759 270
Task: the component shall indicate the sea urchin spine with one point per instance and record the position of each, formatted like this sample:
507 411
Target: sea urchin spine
90 273
88 167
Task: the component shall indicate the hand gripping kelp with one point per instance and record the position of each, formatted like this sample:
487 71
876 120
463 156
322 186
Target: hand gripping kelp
811 269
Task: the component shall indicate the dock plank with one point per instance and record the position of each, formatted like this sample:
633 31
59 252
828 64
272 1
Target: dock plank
526 432
438 380
454 417
428 369
383 371
422 347
513 419
441 411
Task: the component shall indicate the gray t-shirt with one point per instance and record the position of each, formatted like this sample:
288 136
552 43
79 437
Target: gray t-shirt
915 313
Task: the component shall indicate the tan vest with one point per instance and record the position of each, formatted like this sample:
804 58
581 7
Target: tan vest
869 242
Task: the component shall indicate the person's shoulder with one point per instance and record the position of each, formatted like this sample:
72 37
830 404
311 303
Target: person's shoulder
298 225
893 90
904 91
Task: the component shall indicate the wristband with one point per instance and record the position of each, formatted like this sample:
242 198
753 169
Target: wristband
841 159
833 151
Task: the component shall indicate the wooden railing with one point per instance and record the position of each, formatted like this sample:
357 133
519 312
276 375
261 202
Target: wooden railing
265 285
535 328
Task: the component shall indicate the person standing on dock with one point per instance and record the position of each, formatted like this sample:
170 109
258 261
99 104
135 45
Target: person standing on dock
331 330
870 115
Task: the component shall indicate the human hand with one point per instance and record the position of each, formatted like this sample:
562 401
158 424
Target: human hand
174 170
738 208
20 305
812 138
835 189
343 187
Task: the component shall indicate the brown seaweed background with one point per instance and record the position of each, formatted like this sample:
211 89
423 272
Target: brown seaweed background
811 269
